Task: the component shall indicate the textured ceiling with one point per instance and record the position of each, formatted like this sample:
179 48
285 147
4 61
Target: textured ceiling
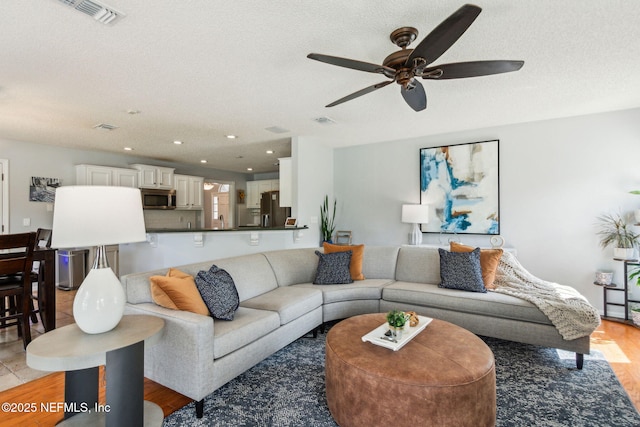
198 70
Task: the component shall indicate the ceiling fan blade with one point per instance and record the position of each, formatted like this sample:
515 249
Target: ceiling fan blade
415 96
444 35
461 70
361 92
353 64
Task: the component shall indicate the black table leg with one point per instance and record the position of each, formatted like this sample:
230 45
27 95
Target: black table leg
125 386
80 391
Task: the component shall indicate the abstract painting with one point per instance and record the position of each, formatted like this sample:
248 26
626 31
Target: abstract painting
460 183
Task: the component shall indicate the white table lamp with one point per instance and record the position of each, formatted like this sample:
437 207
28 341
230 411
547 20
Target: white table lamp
416 215
98 216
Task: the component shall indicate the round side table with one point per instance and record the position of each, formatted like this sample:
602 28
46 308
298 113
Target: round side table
121 350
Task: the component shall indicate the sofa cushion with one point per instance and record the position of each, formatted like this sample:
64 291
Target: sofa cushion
177 291
357 254
288 301
418 265
379 262
247 326
491 304
333 268
293 266
489 259
461 270
218 292
252 274
367 289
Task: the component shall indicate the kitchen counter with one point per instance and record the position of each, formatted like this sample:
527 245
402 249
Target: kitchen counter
207 230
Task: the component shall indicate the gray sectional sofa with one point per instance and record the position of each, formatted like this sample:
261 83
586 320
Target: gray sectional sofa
279 303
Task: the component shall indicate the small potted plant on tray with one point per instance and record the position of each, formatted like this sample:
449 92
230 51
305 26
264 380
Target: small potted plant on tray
396 319
614 231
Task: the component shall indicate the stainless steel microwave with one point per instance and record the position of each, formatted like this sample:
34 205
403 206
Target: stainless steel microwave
158 199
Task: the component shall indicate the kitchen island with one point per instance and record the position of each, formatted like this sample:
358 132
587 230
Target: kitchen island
168 247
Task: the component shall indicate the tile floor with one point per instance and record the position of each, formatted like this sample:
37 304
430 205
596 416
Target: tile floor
13 366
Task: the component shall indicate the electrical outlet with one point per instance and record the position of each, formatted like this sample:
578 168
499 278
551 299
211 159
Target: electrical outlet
26 222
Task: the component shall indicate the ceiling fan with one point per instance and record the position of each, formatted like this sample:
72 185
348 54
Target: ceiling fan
406 65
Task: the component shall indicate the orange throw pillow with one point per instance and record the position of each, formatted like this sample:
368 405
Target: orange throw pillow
357 254
489 259
177 291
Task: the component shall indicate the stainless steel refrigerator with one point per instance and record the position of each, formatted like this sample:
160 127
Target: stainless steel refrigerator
271 214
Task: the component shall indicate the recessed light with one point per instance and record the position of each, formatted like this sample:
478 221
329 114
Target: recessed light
128 149
203 161
231 136
249 169
270 151
178 142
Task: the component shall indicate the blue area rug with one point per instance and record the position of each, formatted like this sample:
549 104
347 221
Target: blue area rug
536 386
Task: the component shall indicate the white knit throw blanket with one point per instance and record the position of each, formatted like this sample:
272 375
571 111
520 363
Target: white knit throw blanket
568 310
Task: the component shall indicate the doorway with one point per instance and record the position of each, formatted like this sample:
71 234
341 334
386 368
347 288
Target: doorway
219 204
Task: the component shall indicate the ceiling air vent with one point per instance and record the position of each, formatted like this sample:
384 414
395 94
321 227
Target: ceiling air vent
105 126
99 12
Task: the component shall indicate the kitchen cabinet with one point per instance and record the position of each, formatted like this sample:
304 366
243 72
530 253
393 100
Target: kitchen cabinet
154 176
105 175
256 188
189 191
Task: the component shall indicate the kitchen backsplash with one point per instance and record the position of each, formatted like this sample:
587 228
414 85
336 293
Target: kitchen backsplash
154 219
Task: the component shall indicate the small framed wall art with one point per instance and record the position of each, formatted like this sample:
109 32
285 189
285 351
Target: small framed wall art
460 183
291 222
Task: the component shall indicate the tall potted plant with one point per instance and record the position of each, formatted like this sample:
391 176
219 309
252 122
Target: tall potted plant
614 231
327 218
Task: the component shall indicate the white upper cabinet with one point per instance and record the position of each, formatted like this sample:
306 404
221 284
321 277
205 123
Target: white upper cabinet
189 191
154 176
104 175
125 177
256 188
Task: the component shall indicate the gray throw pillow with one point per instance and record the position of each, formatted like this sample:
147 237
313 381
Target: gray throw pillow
218 292
461 270
333 268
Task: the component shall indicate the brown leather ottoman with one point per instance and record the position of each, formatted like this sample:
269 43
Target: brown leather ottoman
445 376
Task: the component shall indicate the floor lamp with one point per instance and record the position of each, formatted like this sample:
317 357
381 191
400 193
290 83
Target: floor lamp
416 215
97 216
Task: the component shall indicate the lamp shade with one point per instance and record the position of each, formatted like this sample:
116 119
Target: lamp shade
415 214
97 215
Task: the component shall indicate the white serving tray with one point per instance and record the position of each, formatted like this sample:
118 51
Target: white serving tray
407 335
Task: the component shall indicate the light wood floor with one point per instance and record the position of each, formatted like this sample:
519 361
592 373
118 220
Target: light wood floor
620 343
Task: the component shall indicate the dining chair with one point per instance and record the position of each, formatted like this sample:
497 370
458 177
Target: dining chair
16 262
43 240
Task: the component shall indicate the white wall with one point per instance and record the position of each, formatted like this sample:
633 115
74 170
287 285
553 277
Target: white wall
556 177
312 171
